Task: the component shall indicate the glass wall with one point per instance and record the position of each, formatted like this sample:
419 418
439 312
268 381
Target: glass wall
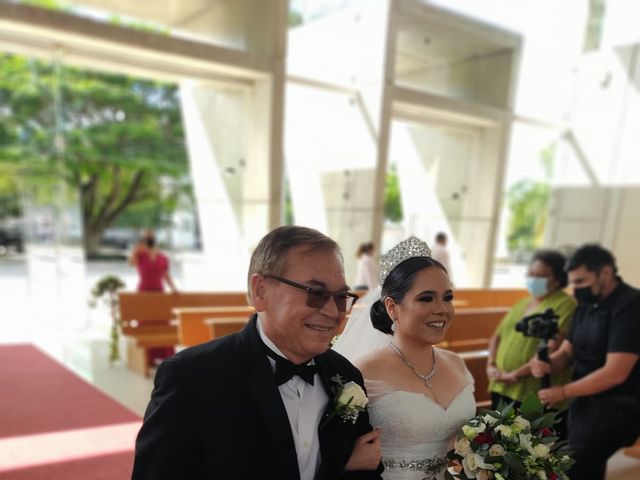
330 164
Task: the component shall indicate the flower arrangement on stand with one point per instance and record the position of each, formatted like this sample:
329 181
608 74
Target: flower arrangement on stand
107 289
510 444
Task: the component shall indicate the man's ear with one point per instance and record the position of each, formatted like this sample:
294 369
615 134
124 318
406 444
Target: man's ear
608 272
258 292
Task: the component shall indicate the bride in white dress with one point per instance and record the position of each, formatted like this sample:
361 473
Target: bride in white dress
420 395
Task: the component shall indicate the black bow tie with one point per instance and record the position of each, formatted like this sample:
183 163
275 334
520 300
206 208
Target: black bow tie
285 369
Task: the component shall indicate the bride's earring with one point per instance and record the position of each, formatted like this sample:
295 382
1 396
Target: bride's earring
393 325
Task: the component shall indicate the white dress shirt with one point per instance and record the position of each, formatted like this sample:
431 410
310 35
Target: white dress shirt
305 405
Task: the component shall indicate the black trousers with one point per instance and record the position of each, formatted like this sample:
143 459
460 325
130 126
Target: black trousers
598 427
498 398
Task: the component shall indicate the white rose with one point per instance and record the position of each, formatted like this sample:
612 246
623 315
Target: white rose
505 430
542 475
489 420
481 463
353 390
470 432
525 441
462 447
470 465
496 450
541 450
521 423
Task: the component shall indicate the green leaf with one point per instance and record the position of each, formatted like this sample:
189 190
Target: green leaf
507 411
547 420
531 405
515 463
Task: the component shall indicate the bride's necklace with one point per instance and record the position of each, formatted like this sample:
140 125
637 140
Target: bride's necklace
425 378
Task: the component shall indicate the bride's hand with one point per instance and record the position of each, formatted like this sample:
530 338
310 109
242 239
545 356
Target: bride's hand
366 453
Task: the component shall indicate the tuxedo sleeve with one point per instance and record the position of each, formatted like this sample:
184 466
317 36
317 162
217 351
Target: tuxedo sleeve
166 446
363 425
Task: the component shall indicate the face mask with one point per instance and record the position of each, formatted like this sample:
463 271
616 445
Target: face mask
537 286
585 295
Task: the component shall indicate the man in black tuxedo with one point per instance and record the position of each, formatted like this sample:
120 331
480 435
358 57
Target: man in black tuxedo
262 403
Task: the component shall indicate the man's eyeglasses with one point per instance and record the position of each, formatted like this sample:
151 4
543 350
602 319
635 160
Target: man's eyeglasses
318 297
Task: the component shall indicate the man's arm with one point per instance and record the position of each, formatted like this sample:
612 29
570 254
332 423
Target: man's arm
364 462
524 371
166 446
559 360
615 371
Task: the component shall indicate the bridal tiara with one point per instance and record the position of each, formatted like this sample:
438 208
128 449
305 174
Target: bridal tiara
409 248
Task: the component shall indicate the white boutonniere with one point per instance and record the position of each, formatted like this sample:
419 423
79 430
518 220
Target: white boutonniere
349 401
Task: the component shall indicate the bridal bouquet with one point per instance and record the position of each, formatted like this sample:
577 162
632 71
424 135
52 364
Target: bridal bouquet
508 444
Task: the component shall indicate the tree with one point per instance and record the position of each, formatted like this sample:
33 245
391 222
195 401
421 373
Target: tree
392 203
113 137
528 201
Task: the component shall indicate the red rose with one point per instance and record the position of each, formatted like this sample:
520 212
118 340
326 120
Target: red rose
484 437
553 476
547 432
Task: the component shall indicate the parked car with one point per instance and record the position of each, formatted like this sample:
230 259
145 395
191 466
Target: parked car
11 237
120 238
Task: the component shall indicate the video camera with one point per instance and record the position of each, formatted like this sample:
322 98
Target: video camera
539 325
543 326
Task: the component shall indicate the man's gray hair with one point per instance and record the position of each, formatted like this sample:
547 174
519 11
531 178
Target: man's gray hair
270 256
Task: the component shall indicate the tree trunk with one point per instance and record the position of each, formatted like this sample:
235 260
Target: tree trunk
92 240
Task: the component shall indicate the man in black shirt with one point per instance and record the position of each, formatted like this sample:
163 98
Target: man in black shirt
603 346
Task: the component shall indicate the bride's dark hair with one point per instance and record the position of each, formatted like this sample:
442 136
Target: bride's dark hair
396 285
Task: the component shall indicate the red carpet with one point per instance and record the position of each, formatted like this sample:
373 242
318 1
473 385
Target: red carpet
55 426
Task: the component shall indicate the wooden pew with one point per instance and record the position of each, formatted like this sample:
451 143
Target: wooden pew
146 319
471 328
220 327
469 335
192 329
488 297
476 362
200 325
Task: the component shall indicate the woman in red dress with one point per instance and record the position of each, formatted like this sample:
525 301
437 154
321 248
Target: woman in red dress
153 269
152 265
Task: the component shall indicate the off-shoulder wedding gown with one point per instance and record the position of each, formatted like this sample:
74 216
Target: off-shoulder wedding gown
416 431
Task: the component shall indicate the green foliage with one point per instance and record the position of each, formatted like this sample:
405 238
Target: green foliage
392 198
295 18
107 289
121 137
528 202
289 218
50 4
9 194
107 285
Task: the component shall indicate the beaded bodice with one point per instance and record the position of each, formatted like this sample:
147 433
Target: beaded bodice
416 431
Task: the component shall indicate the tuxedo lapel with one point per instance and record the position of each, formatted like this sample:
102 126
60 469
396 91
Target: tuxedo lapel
328 431
326 371
265 391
